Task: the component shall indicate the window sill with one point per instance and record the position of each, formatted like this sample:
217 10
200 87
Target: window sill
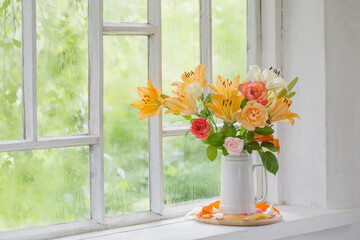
297 221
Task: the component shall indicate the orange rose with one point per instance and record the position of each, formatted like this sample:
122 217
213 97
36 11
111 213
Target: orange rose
254 91
253 115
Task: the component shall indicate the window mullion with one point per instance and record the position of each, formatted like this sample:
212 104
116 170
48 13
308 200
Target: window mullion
206 38
96 153
155 129
29 69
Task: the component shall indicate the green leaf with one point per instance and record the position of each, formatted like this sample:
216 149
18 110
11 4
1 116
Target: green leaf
270 162
249 151
250 136
282 93
269 146
208 98
188 117
292 84
163 96
252 145
228 130
243 103
290 95
211 153
216 139
224 151
265 131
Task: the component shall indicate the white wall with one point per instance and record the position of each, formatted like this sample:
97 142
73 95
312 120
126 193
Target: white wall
320 43
303 146
342 41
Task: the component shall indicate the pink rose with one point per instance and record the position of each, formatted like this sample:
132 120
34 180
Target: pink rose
200 128
234 145
254 91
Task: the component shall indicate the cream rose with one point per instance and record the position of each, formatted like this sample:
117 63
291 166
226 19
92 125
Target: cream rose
253 115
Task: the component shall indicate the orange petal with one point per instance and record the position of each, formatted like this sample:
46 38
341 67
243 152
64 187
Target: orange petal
264 206
216 204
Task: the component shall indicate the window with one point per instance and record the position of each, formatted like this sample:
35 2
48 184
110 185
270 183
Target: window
71 146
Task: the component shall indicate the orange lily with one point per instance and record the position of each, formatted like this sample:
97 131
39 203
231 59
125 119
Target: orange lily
193 78
261 138
223 86
225 108
150 103
280 111
182 103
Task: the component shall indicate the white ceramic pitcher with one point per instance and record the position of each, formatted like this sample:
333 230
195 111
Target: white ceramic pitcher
237 184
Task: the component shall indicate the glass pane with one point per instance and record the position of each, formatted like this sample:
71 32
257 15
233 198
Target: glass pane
44 187
188 174
125 137
180 45
10 70
229 38
125 11
62 67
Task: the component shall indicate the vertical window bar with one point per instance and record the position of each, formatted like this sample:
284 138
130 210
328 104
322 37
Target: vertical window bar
29 69
254 58
155 127
253 32
206 39
96 158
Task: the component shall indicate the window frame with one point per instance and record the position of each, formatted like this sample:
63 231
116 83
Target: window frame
94 138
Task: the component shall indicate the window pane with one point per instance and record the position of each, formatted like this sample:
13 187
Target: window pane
43 187
125 11
10 70
62 67
125 137
229 38
188 174
180 45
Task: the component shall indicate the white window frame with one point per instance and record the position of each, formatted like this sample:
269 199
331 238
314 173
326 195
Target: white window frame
94 139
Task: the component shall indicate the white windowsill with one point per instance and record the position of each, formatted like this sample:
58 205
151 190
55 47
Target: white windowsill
297 221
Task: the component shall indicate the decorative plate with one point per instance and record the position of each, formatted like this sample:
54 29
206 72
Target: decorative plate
228 222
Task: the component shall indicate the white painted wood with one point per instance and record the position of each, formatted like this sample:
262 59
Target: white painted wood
29 69
96 153
178 130
296 221
118 29
48 142
206 39
271 11
253 32
155 125
87 226
169 131
254 58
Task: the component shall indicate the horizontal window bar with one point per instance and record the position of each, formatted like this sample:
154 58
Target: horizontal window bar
118 29
48 142
169 131
84 226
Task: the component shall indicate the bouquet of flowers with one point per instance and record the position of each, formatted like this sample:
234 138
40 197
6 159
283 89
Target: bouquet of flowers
248 110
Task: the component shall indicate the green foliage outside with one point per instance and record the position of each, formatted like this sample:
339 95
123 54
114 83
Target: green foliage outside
50 186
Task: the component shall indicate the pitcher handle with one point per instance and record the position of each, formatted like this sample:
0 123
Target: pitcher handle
265 190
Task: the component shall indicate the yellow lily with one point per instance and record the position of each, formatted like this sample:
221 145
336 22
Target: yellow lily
223 86
150 103
280 111
182 103
196 78
225 108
